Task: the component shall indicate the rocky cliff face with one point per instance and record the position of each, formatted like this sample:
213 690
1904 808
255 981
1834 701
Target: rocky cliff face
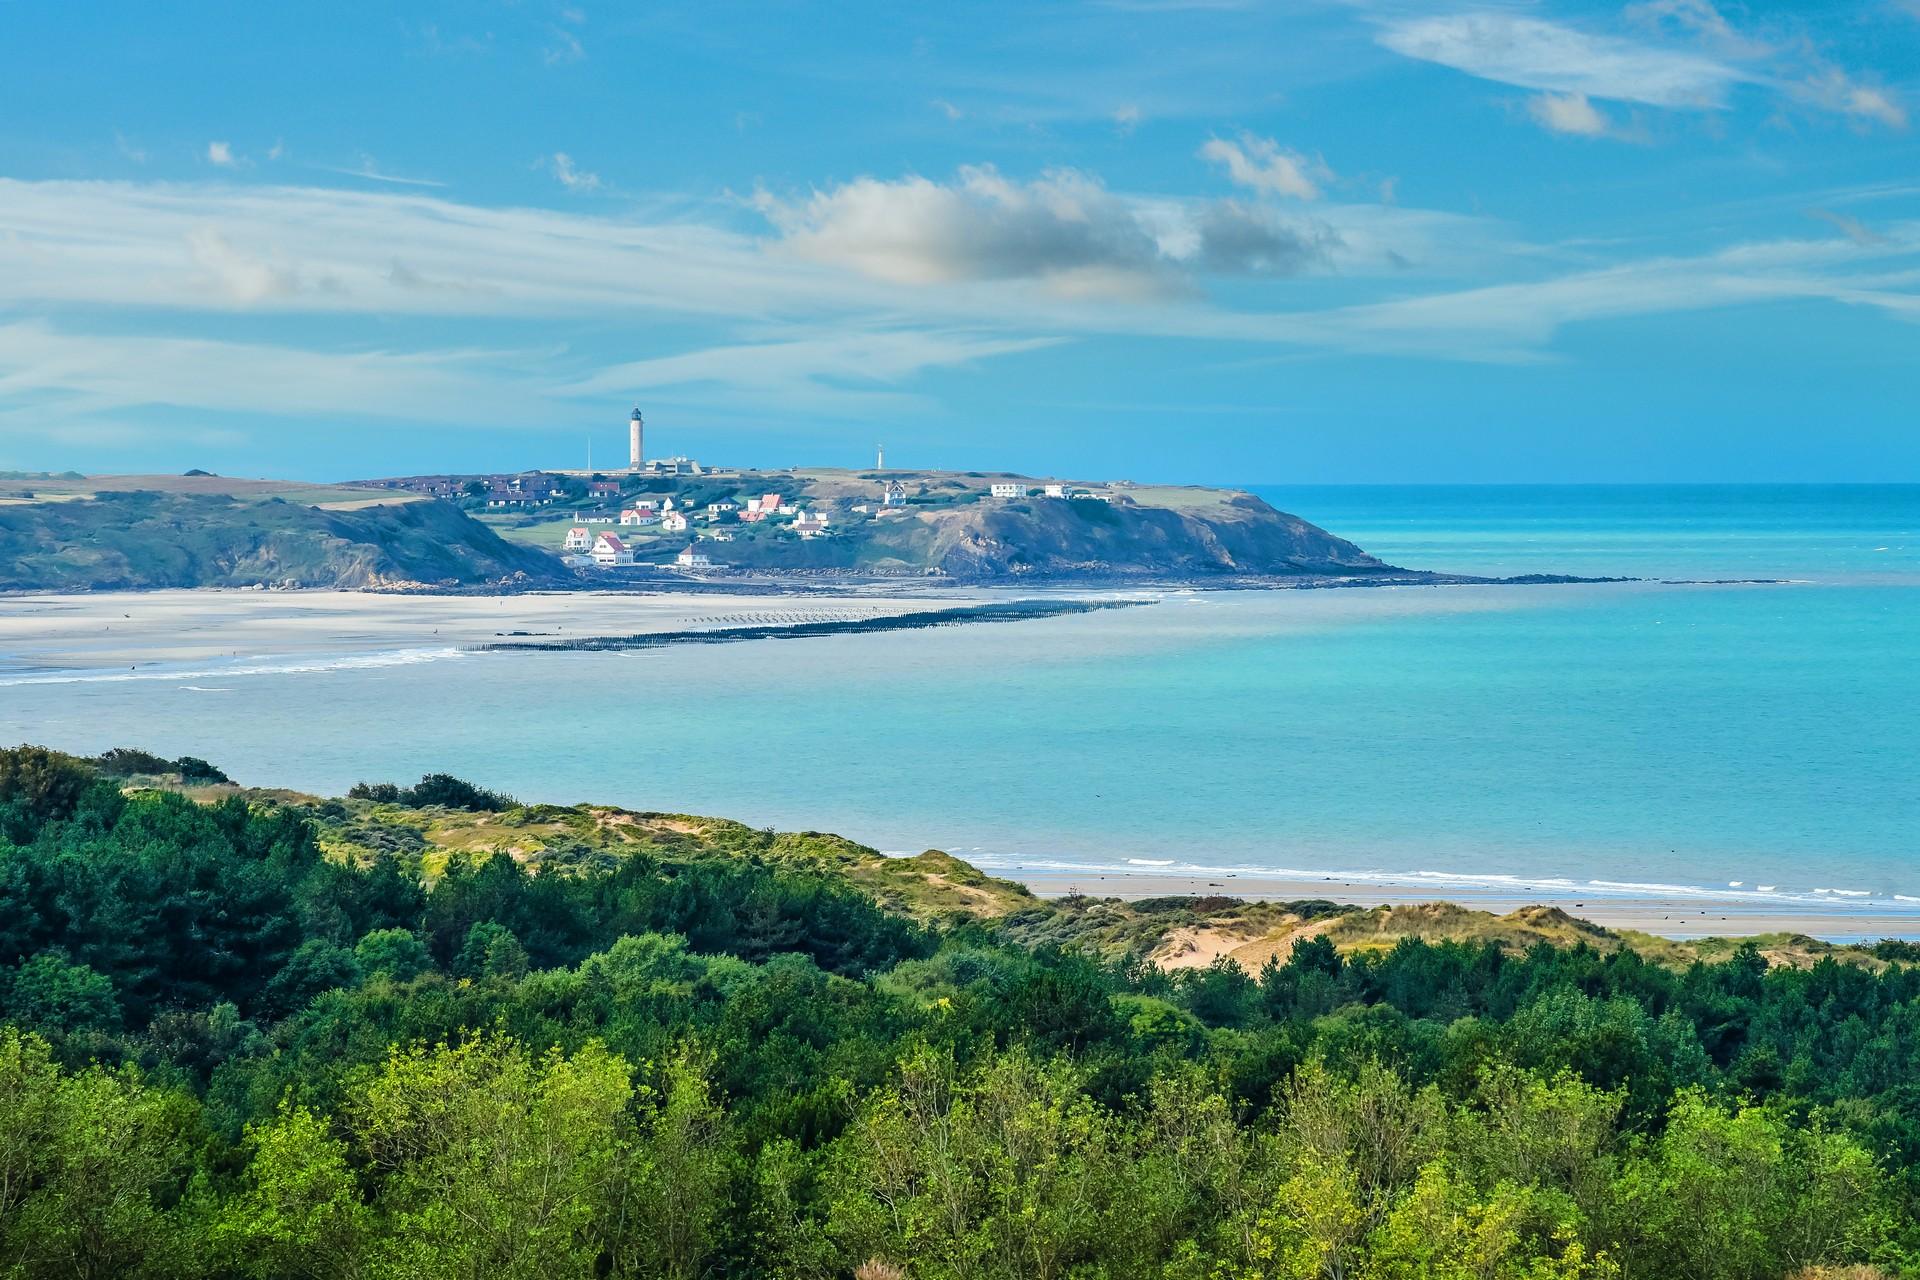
1238 536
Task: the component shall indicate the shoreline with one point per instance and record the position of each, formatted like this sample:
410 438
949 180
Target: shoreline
1678 915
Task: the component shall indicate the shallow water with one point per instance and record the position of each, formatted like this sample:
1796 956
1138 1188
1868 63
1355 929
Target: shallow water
1611 737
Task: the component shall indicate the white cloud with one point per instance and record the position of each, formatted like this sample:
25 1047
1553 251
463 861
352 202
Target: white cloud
1064 232
947 109
1568 113
843 371
1063 229
221 153
48 371
369 170
571 176
1834 90
1534 54
1126 118
854 292
1262 165
563 47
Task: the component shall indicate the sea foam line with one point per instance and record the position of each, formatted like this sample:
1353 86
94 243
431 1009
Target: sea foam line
1555 886
289 667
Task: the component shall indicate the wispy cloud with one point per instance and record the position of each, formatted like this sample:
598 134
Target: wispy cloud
572 176
222 154
838 371
372 172
1263 165
1569 113
1534 54
47 370
562 47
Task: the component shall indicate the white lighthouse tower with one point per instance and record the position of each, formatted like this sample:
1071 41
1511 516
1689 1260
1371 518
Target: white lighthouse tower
636 441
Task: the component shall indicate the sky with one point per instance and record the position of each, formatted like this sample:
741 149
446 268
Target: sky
1218 241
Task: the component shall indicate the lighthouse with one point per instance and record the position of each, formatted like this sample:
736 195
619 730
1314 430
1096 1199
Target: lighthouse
636 441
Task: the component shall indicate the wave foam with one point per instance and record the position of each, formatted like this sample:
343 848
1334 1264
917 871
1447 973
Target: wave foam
285 667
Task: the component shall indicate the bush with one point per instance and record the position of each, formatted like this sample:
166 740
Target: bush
441 790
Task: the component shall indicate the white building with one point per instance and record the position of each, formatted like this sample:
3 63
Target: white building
896 494
640 516
810 525
608 551
1007 489
579 538
636 441
674 522
691 559
1055 490
721 508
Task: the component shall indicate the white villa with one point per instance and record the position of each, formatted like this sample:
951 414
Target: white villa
1007 489
674 522
640 515
691 559
608 551
579 538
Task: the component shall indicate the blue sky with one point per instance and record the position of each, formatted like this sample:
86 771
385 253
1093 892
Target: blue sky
1203 240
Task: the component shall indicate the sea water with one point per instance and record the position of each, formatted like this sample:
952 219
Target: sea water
1683 733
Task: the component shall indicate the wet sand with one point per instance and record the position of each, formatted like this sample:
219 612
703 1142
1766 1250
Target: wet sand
1676 916
124 630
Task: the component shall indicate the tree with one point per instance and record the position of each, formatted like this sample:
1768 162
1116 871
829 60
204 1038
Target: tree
490 1162
398 953
300 1212
51 993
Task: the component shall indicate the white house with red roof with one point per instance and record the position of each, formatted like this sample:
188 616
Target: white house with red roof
579 538
608 551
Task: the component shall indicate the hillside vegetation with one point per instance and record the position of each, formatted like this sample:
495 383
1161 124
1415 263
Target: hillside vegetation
948 523
425 1030
71 540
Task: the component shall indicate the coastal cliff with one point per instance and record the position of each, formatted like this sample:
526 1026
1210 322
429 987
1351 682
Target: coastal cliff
144 539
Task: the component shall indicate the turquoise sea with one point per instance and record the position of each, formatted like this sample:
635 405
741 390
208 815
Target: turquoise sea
1758 741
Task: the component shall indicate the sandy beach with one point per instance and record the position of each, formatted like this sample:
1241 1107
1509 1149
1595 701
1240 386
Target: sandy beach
1673 916
136 630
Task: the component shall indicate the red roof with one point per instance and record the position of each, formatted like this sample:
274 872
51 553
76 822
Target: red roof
613 542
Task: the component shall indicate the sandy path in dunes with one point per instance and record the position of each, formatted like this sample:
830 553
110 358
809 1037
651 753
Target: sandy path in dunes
1196 948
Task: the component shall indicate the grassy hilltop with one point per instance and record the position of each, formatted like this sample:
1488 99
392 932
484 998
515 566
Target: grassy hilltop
106 533
950 524
427 1031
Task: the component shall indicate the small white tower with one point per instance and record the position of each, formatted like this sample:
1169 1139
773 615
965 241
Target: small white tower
636 441
879 457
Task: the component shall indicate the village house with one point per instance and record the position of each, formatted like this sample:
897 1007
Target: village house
717 535
640 515
718 509
603 488
1007 489
609 551
760 508
1055 490
579 538
691 559
896 495
674 522
810 525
